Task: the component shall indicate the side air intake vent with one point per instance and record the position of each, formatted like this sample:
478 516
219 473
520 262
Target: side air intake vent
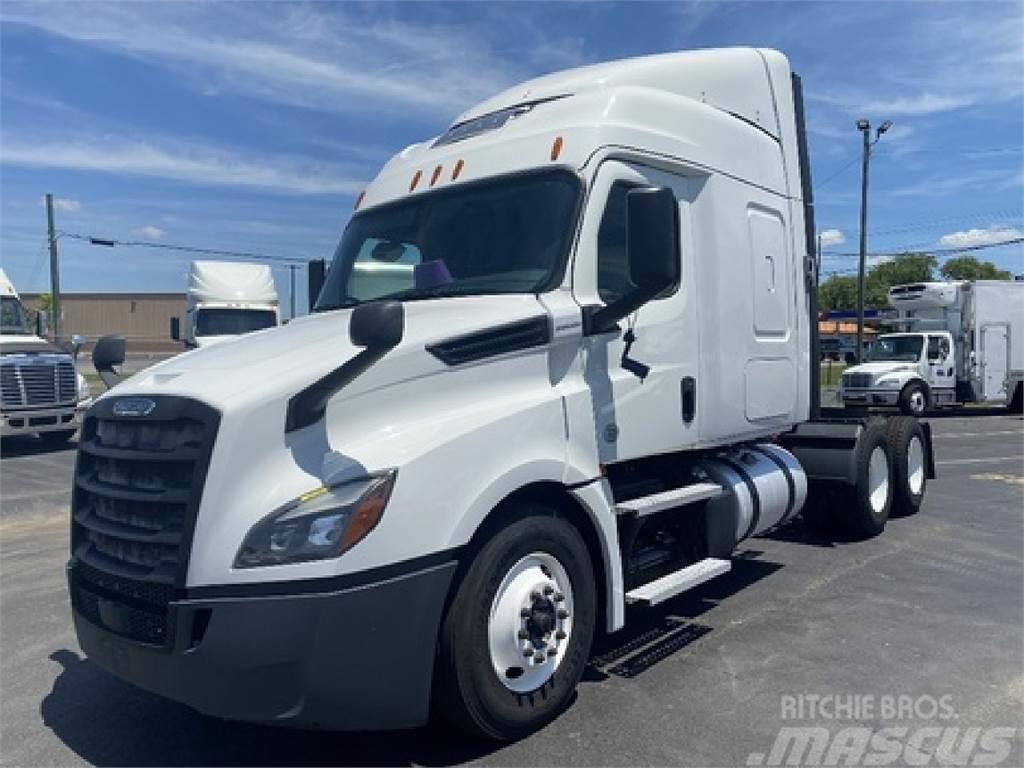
491 342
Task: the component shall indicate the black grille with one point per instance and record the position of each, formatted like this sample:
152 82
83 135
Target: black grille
38 380
138 484
856 380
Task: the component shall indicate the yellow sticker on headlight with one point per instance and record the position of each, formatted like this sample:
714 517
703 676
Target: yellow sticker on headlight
316 492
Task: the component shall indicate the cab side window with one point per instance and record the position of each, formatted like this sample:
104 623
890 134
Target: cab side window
613 279
938 348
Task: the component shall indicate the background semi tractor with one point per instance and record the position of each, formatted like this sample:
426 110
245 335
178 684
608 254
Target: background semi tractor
585 371
958 342
41 391
226 299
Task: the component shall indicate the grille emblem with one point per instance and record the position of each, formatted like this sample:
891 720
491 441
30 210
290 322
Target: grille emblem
134 406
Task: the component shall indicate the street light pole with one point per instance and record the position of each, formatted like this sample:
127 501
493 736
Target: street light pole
54 271
865 128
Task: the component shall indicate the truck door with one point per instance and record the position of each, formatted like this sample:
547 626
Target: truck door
645 394
941 367
995 348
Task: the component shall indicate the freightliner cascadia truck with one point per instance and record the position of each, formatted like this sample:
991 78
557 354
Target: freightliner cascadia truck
563 362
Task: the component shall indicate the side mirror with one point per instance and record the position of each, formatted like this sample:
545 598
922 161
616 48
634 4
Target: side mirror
77 340
652 253
106 355
41 324
377 325
176 328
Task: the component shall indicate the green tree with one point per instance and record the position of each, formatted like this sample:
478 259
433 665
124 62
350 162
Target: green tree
837 292
46 307
904 268
969 268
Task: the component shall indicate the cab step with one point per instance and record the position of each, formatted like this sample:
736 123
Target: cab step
674 583
674 497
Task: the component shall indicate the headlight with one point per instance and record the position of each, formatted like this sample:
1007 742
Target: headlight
84 393
318 525
888 383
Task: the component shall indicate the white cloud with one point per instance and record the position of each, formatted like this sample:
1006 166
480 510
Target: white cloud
831 237
348 59
149 232
63 204
997 233
182 161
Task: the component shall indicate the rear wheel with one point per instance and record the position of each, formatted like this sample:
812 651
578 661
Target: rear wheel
864 508
906 441
914 399
517 636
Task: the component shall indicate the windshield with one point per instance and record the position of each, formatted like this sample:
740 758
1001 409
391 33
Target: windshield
12 317
230 322
897 348
507 235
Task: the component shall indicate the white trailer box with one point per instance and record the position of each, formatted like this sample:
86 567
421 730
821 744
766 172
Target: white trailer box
564 361
226 299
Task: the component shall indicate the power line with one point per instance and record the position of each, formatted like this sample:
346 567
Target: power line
936 251
250 255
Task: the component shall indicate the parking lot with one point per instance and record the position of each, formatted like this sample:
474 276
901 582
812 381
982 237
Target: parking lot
933 608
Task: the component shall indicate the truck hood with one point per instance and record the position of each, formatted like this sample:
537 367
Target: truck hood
881 368
278 362
11 344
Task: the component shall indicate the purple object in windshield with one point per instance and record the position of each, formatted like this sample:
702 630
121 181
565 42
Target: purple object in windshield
431 274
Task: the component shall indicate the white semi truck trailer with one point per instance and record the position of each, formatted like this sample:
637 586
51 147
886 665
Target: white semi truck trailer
564 362
226 299
959 342
41 391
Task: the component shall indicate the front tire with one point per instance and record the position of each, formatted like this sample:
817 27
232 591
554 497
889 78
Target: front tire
517 635
907 443
914 399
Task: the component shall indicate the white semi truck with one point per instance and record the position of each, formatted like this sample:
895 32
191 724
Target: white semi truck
563 362
959 342
41 391
226 299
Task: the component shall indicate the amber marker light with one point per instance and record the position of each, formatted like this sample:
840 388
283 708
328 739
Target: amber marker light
556 148
457 170
415 180
435 175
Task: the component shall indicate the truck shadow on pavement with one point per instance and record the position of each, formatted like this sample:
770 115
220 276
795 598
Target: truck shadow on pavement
108 722
13 447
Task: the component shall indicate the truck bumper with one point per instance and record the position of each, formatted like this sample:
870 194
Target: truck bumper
27 422
359 658
862 397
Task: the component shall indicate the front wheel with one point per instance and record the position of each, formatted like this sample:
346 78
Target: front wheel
517 635
914 399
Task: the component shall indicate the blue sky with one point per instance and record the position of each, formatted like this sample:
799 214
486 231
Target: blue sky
252 127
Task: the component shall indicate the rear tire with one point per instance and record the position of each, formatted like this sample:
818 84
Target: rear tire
914 399
864 508
507 604
907 445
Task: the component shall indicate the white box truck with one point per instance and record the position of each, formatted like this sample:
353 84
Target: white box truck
226 299
41 391
564 361
959 342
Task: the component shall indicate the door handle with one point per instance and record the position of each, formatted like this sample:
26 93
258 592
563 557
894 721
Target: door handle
688 392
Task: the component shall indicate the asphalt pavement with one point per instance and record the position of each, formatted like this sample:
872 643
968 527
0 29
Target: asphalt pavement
930 612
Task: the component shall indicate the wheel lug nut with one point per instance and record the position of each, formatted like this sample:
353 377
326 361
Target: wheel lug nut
524 635
539 658
563 614
548 589
528 653
536 595
552 652
560 635
559 597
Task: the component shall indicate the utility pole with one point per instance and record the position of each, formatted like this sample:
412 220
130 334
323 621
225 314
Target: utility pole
291 290
54 271
865 128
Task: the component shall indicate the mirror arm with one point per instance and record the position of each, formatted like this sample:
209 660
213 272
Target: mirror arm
604 319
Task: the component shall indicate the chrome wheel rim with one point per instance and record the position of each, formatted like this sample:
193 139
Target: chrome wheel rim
915 466
530 623
878 480
917 401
